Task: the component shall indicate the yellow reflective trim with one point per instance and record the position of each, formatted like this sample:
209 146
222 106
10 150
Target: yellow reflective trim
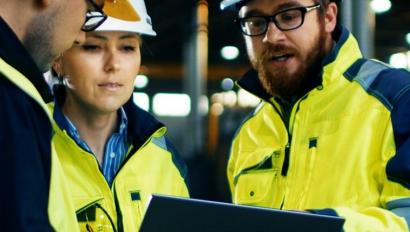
23 83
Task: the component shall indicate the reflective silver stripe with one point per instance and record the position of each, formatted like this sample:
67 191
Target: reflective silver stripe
160 142
401 208
368 72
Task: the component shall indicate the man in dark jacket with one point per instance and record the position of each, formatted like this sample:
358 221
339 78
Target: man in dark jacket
33 33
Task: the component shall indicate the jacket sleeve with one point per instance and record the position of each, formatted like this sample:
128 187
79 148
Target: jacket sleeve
390 216
25 159
231 168
393 214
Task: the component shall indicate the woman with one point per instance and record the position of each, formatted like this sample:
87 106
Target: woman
114 154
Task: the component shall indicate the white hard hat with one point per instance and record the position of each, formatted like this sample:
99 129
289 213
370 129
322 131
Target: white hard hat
137 21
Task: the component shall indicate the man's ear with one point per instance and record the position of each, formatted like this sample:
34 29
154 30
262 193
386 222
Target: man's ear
331 12
43 4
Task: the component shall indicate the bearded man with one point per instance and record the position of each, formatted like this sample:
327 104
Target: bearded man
332 132
33 33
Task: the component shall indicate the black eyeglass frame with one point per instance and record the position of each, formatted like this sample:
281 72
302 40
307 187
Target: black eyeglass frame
303 10
89 16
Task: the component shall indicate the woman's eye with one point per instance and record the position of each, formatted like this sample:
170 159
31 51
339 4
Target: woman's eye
91 47
128 48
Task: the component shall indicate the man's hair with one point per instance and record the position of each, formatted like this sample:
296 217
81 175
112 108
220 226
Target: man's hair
323 3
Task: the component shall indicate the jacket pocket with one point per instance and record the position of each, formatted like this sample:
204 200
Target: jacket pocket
254 188
257 185
92 216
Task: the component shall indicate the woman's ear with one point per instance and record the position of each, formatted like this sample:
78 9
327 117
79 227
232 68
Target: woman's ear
57 66
46 3
43 4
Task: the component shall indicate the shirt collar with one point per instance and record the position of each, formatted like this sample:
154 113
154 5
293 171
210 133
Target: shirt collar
122 129
65 123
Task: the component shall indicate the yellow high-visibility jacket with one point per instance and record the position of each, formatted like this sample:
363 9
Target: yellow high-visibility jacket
61 213
152 166
343 150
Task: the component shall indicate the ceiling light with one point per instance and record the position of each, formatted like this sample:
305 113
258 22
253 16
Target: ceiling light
141 81
229 52
408 38
230 98
398 60
245 99
227 84
217 109
380 6
171 104
141 100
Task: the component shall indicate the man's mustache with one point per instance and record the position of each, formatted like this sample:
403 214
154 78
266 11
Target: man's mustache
272 50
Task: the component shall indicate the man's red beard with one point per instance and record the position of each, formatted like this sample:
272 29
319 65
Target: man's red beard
281 83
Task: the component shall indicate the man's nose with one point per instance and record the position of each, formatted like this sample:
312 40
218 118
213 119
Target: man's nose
80 37
273 34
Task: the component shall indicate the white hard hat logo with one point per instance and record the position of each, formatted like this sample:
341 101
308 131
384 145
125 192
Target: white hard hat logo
127 15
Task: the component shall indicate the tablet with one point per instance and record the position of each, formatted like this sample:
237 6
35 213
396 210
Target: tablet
165 213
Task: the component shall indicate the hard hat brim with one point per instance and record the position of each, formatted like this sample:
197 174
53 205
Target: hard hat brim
113 24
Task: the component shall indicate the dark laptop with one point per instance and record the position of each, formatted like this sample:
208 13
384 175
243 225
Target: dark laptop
166 213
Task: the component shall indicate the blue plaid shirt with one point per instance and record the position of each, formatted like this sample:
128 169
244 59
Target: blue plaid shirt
115 150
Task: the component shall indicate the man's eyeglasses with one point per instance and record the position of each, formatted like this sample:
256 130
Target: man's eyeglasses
284 20
94 17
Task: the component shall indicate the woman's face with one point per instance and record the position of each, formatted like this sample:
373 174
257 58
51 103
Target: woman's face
99 74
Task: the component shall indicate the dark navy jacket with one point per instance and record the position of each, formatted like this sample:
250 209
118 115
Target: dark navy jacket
25 151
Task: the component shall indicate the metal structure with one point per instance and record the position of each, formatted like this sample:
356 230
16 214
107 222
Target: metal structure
196 66
360 19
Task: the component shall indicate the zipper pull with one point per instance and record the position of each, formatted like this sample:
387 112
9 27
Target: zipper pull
285 165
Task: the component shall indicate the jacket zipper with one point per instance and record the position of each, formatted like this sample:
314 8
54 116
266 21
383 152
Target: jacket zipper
130 153
286 162
117 209
120 226
285 118
285 166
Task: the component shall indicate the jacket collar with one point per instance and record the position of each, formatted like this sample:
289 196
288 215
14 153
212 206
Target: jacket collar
344 52
14 53
141 124
250 82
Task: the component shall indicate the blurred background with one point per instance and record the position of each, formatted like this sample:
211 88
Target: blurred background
189 69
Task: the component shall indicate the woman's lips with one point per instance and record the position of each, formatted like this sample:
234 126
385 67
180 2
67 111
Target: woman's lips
110 86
